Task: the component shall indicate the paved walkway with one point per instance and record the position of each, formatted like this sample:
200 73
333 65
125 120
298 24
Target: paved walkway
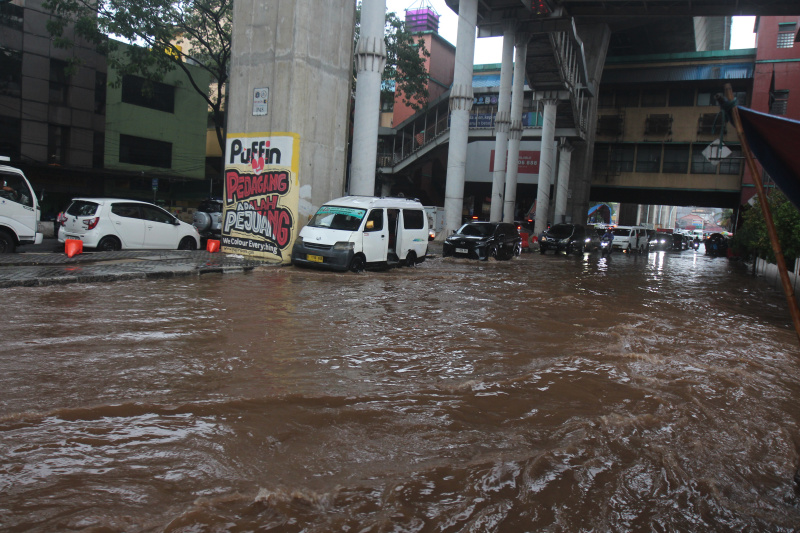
47 264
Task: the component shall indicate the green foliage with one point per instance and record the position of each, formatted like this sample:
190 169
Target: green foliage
169 34
752 238
405 72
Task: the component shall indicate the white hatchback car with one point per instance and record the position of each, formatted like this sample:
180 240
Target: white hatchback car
110 224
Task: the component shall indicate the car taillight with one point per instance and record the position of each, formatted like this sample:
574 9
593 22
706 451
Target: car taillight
90 223
61 218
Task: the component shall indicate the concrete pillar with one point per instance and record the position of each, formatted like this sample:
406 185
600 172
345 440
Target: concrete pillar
515 134
370 58
562 185
547 161
460 105
288 111
502 124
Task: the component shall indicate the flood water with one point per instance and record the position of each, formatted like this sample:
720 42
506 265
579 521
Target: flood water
545 393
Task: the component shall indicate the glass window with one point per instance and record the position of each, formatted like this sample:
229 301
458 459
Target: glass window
733 163
146 93
654 98
11 16
14 189
335 217
82 208
59 82
786 33
155 214
600 158
413 218
10 72
100 93
141 151
10 136
648 158
126 210
778 102
676 158
57 144
701 165
622 157
705 97
374 220
681 97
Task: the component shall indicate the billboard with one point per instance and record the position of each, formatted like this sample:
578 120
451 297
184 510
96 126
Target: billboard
261 194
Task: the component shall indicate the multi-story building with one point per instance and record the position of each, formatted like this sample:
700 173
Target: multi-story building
657 116
75 132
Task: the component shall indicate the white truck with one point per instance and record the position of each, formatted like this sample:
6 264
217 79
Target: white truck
19 210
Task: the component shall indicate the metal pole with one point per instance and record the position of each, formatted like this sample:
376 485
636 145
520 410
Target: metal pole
762 200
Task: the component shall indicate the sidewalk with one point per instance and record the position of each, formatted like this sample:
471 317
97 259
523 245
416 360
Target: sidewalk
31 267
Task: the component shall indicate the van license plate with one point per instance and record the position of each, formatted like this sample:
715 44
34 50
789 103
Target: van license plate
462 251
315 258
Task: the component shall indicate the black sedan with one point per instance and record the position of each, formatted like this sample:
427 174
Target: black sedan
563 237
482 240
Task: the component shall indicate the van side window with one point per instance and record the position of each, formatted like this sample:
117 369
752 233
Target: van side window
413 219
374 220
14 188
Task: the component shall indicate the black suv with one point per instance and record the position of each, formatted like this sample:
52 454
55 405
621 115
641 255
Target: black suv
208 220
482 240
563 237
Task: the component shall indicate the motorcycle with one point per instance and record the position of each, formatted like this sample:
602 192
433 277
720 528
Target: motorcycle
605 248
696 245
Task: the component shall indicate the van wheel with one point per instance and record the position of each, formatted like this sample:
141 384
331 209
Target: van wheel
411 259
7 244
109 244
357 264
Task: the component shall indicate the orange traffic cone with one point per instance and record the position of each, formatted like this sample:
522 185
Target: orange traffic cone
73 247
212 245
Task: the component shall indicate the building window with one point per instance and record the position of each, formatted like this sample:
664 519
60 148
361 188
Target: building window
600 159
59 82
706 98
146 93
147 152
681 97
10 72
778 102
733 163
10 135
57 144
98 149
648 158
622 157
676 158
100 93
786 32
11 15
654 98
629 98
701 165
606 98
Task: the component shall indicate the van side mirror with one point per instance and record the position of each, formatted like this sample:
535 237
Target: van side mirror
370 224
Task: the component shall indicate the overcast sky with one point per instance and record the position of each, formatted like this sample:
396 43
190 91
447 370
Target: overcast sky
489 50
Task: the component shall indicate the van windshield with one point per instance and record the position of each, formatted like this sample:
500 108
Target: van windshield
335 217
622 232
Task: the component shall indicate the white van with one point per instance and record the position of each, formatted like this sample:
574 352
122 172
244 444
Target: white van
630 239
354 232
19 210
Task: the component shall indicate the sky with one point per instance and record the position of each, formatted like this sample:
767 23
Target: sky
489 50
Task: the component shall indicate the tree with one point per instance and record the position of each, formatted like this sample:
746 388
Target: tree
405 63
751 239
170 34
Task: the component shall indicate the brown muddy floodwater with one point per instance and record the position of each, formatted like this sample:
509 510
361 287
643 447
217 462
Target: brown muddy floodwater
546 393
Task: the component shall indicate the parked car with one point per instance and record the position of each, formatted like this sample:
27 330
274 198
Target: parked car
208 220
482 240
563 238
110 224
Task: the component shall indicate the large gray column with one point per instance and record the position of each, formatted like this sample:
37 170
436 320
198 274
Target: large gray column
289 106
502 123
515 135
562 185
460 105
370 60
547 159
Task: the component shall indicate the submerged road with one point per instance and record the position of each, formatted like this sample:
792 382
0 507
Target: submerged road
642 393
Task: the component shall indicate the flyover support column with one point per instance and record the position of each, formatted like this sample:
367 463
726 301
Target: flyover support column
515 135
370 57
562 185
460 105
546 163
502 124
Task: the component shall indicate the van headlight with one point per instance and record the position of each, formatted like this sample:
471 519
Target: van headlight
343 246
